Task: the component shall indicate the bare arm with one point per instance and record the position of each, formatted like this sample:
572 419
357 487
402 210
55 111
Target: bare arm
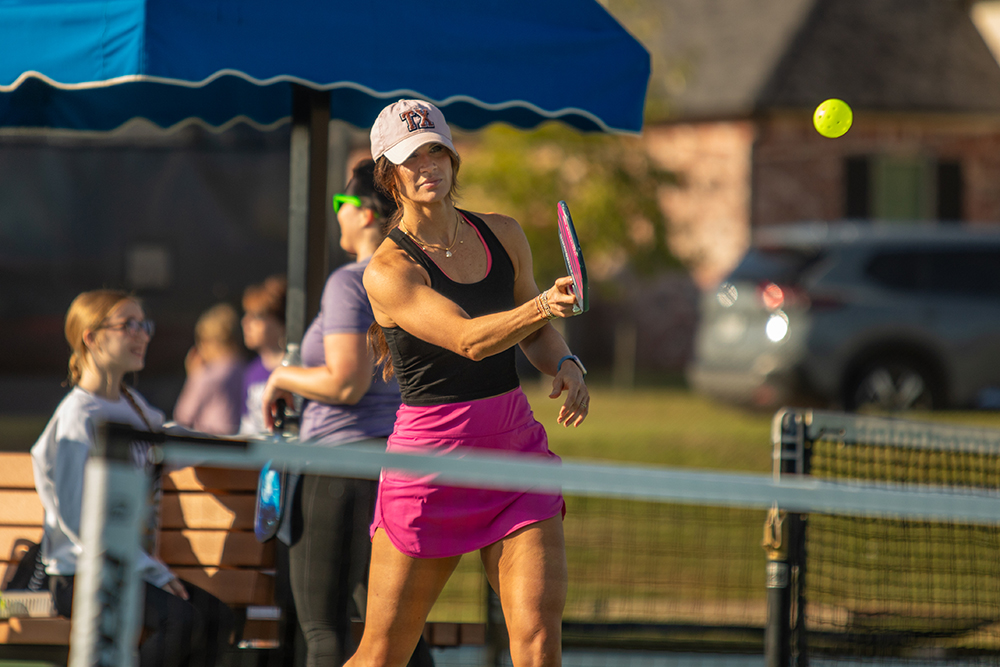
343 380
545 347
401 296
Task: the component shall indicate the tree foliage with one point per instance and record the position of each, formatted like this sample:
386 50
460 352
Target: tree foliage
609 183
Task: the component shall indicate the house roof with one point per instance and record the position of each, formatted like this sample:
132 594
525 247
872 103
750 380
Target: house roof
728 58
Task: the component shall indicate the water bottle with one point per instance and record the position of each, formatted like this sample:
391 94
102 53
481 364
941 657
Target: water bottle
289 415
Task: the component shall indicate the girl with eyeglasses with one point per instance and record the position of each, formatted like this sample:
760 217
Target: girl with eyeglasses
108 333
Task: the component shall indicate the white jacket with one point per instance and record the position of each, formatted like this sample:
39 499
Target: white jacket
58 459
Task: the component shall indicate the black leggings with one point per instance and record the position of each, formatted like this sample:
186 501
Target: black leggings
180 633
328 565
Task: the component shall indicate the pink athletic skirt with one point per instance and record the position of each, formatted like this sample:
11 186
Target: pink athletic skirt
428 520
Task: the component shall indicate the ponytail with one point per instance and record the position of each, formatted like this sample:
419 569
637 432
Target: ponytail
384 175
380 350
75 369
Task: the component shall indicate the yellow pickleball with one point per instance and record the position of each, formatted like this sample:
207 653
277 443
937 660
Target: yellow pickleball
833 118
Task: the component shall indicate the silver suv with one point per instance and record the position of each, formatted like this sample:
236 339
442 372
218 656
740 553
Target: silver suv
855 315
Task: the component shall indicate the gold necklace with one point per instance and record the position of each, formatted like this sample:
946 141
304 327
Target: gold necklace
447 249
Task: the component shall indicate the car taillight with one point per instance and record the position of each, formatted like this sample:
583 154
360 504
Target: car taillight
772 296
775 297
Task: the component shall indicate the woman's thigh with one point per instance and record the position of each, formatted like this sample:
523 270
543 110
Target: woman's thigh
527 569
401 592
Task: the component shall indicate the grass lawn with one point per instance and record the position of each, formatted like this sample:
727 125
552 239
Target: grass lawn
659 426
663 426
632 560
650 561
640 561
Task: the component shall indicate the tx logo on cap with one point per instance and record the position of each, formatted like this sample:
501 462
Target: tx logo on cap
417 119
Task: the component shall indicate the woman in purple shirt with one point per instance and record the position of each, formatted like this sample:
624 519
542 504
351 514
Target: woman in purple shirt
345 401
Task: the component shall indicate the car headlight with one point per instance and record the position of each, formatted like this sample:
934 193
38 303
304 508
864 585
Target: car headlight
727 295
777 327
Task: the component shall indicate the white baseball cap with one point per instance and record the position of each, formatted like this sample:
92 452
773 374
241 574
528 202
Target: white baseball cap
405 126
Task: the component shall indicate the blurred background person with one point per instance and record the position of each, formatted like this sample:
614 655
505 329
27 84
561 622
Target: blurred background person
263 333
211 400
346 400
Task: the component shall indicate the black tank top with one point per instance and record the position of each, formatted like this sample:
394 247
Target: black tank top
432 375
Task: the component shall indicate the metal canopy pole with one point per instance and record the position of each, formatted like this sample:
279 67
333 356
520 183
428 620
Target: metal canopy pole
307 234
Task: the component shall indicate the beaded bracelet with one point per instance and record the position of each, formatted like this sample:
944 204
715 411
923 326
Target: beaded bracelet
543 299
538 307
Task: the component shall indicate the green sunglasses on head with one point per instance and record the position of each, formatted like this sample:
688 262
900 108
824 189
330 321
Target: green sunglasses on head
340 200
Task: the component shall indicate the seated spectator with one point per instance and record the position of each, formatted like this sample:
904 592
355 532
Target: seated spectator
212 397
108 333
263 333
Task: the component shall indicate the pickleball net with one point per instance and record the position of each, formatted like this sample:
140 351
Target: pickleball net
881 563
882 587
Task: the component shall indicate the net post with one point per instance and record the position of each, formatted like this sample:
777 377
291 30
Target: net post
107 595
777 631
784 540
497 642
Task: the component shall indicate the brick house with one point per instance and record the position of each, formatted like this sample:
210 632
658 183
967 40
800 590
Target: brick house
743 78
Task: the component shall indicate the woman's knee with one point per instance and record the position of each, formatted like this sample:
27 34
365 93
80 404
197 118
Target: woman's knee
536 646
534 626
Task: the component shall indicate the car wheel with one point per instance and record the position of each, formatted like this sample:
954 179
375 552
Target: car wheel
893 385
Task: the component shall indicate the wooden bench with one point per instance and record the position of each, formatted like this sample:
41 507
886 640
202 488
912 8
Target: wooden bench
206 538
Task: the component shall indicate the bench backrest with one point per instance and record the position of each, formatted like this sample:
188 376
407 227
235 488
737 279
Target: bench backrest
207 529
206 538
21 513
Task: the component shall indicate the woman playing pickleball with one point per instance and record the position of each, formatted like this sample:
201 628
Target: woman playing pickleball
452 292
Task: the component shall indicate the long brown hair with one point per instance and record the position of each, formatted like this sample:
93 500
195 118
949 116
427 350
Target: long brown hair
87 312
385 180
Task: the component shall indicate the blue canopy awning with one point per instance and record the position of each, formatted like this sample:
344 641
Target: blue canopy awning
97 64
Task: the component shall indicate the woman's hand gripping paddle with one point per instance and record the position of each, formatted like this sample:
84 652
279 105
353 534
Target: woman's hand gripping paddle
575 268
